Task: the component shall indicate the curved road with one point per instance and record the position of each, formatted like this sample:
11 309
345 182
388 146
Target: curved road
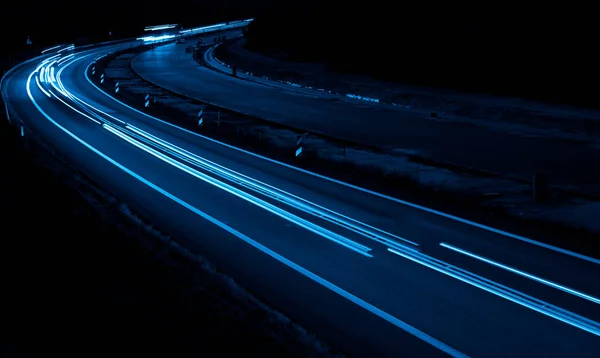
566 163
376 276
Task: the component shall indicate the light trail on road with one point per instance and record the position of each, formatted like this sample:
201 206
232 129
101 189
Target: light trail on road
400 264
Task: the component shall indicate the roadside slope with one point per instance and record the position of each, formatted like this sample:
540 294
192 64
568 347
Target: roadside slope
83 275
499 151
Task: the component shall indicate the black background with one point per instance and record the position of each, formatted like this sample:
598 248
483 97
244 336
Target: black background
544 52
58 21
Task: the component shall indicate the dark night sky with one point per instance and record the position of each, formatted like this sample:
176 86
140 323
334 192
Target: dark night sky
57 21
530 43
62 20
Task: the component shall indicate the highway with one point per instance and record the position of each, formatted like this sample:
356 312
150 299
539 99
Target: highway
565 162
375 276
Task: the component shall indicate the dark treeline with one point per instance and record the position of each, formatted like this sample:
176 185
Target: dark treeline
533 52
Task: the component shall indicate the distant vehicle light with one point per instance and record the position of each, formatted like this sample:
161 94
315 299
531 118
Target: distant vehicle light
160 27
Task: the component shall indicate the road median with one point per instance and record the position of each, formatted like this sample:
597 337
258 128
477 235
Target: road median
477 195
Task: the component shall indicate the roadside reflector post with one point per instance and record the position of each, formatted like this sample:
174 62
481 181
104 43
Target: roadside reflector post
300 144
102 78
25 141
94 69
117 87
200 118
147 100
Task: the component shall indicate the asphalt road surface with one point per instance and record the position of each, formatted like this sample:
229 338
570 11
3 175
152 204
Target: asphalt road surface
376 276
566 163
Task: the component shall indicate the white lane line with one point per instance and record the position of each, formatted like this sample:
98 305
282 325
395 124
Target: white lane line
502 291
383 196
280 195
352 245
354 299
297 202
522 273
339 239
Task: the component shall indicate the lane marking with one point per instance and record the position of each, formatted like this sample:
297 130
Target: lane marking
306 206
338 239
363 229
502 291
327 234
522 273
354 299
383 196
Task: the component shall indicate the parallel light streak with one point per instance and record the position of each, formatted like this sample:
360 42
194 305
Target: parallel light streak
130 133
522 273
40 87
338 290
68 48
264 205
62 60
159 27
326 214
354 246
278 194
422 208
502 291
51 48
154 39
